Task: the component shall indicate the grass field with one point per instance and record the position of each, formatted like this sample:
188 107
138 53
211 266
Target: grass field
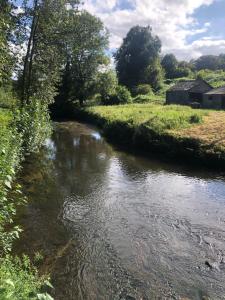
174 130
157 117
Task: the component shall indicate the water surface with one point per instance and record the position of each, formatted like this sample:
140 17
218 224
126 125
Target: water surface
111 225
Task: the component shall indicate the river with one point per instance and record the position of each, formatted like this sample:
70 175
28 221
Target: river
111 225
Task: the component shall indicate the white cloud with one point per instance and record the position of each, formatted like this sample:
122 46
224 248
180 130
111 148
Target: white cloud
171 20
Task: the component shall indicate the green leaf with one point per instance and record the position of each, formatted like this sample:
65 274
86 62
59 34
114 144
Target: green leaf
10 282
8 184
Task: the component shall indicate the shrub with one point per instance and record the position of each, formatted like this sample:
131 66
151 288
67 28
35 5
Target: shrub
106 84
142 89
121 96
33 122
10 156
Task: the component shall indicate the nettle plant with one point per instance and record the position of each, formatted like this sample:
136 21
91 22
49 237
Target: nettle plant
10 156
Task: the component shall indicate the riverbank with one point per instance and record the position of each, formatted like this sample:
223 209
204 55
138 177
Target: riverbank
174 131
19 279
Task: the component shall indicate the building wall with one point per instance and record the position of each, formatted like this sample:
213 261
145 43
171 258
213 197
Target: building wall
212 101
177 97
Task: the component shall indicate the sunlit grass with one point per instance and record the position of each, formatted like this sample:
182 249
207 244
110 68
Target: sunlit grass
157 117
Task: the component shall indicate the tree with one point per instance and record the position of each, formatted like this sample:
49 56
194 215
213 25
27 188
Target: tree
169 64
107 83
44 56
86 42
6 24
137 58
209 62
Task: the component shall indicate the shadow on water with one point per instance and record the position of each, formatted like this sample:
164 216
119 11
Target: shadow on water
111 225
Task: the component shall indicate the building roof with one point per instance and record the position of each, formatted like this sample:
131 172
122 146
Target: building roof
217 91
186 85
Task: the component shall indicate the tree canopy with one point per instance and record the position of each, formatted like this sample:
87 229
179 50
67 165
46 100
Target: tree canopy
6 25
210 62
137 60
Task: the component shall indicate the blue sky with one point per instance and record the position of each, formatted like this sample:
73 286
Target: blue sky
188 28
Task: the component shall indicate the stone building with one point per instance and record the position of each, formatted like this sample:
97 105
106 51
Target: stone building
214 99
188 92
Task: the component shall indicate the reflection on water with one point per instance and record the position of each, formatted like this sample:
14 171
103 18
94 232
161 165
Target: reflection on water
116 226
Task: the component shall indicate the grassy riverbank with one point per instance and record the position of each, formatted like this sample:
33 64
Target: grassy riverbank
18 278
171 130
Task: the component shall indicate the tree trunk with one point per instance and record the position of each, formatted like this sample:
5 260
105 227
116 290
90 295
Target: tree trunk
29 57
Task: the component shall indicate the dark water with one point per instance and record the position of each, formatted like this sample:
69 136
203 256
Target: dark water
115 226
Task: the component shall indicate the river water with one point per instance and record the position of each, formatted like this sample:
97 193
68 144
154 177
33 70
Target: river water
111 225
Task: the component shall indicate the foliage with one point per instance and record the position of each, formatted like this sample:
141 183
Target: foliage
10 156
215 78
33 123
154 75
44 56
156 117
6 25
86 41
19 280
170 64
142 89
106 84
151 98
175 69
7 97
210 62
121 96
137 58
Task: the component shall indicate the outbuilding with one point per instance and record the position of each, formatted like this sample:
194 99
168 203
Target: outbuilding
189 92
214 99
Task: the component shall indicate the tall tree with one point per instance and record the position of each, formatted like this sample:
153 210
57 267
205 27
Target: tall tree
170 64
6 23
137 55
86 42
44 39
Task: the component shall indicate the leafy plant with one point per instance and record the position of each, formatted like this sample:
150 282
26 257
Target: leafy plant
19 280
121 96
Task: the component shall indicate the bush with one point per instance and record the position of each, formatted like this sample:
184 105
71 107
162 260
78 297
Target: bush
7 99
121 96
142 89
215 78
33 122
10 156
142 99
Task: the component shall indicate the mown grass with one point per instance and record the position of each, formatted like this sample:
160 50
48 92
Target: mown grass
160 118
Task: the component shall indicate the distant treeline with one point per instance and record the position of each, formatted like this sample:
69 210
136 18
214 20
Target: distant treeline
175 69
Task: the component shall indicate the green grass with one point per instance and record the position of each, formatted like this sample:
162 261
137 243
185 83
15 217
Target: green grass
156 117
173 130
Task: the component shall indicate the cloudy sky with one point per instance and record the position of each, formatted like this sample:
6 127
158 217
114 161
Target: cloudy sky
188 28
